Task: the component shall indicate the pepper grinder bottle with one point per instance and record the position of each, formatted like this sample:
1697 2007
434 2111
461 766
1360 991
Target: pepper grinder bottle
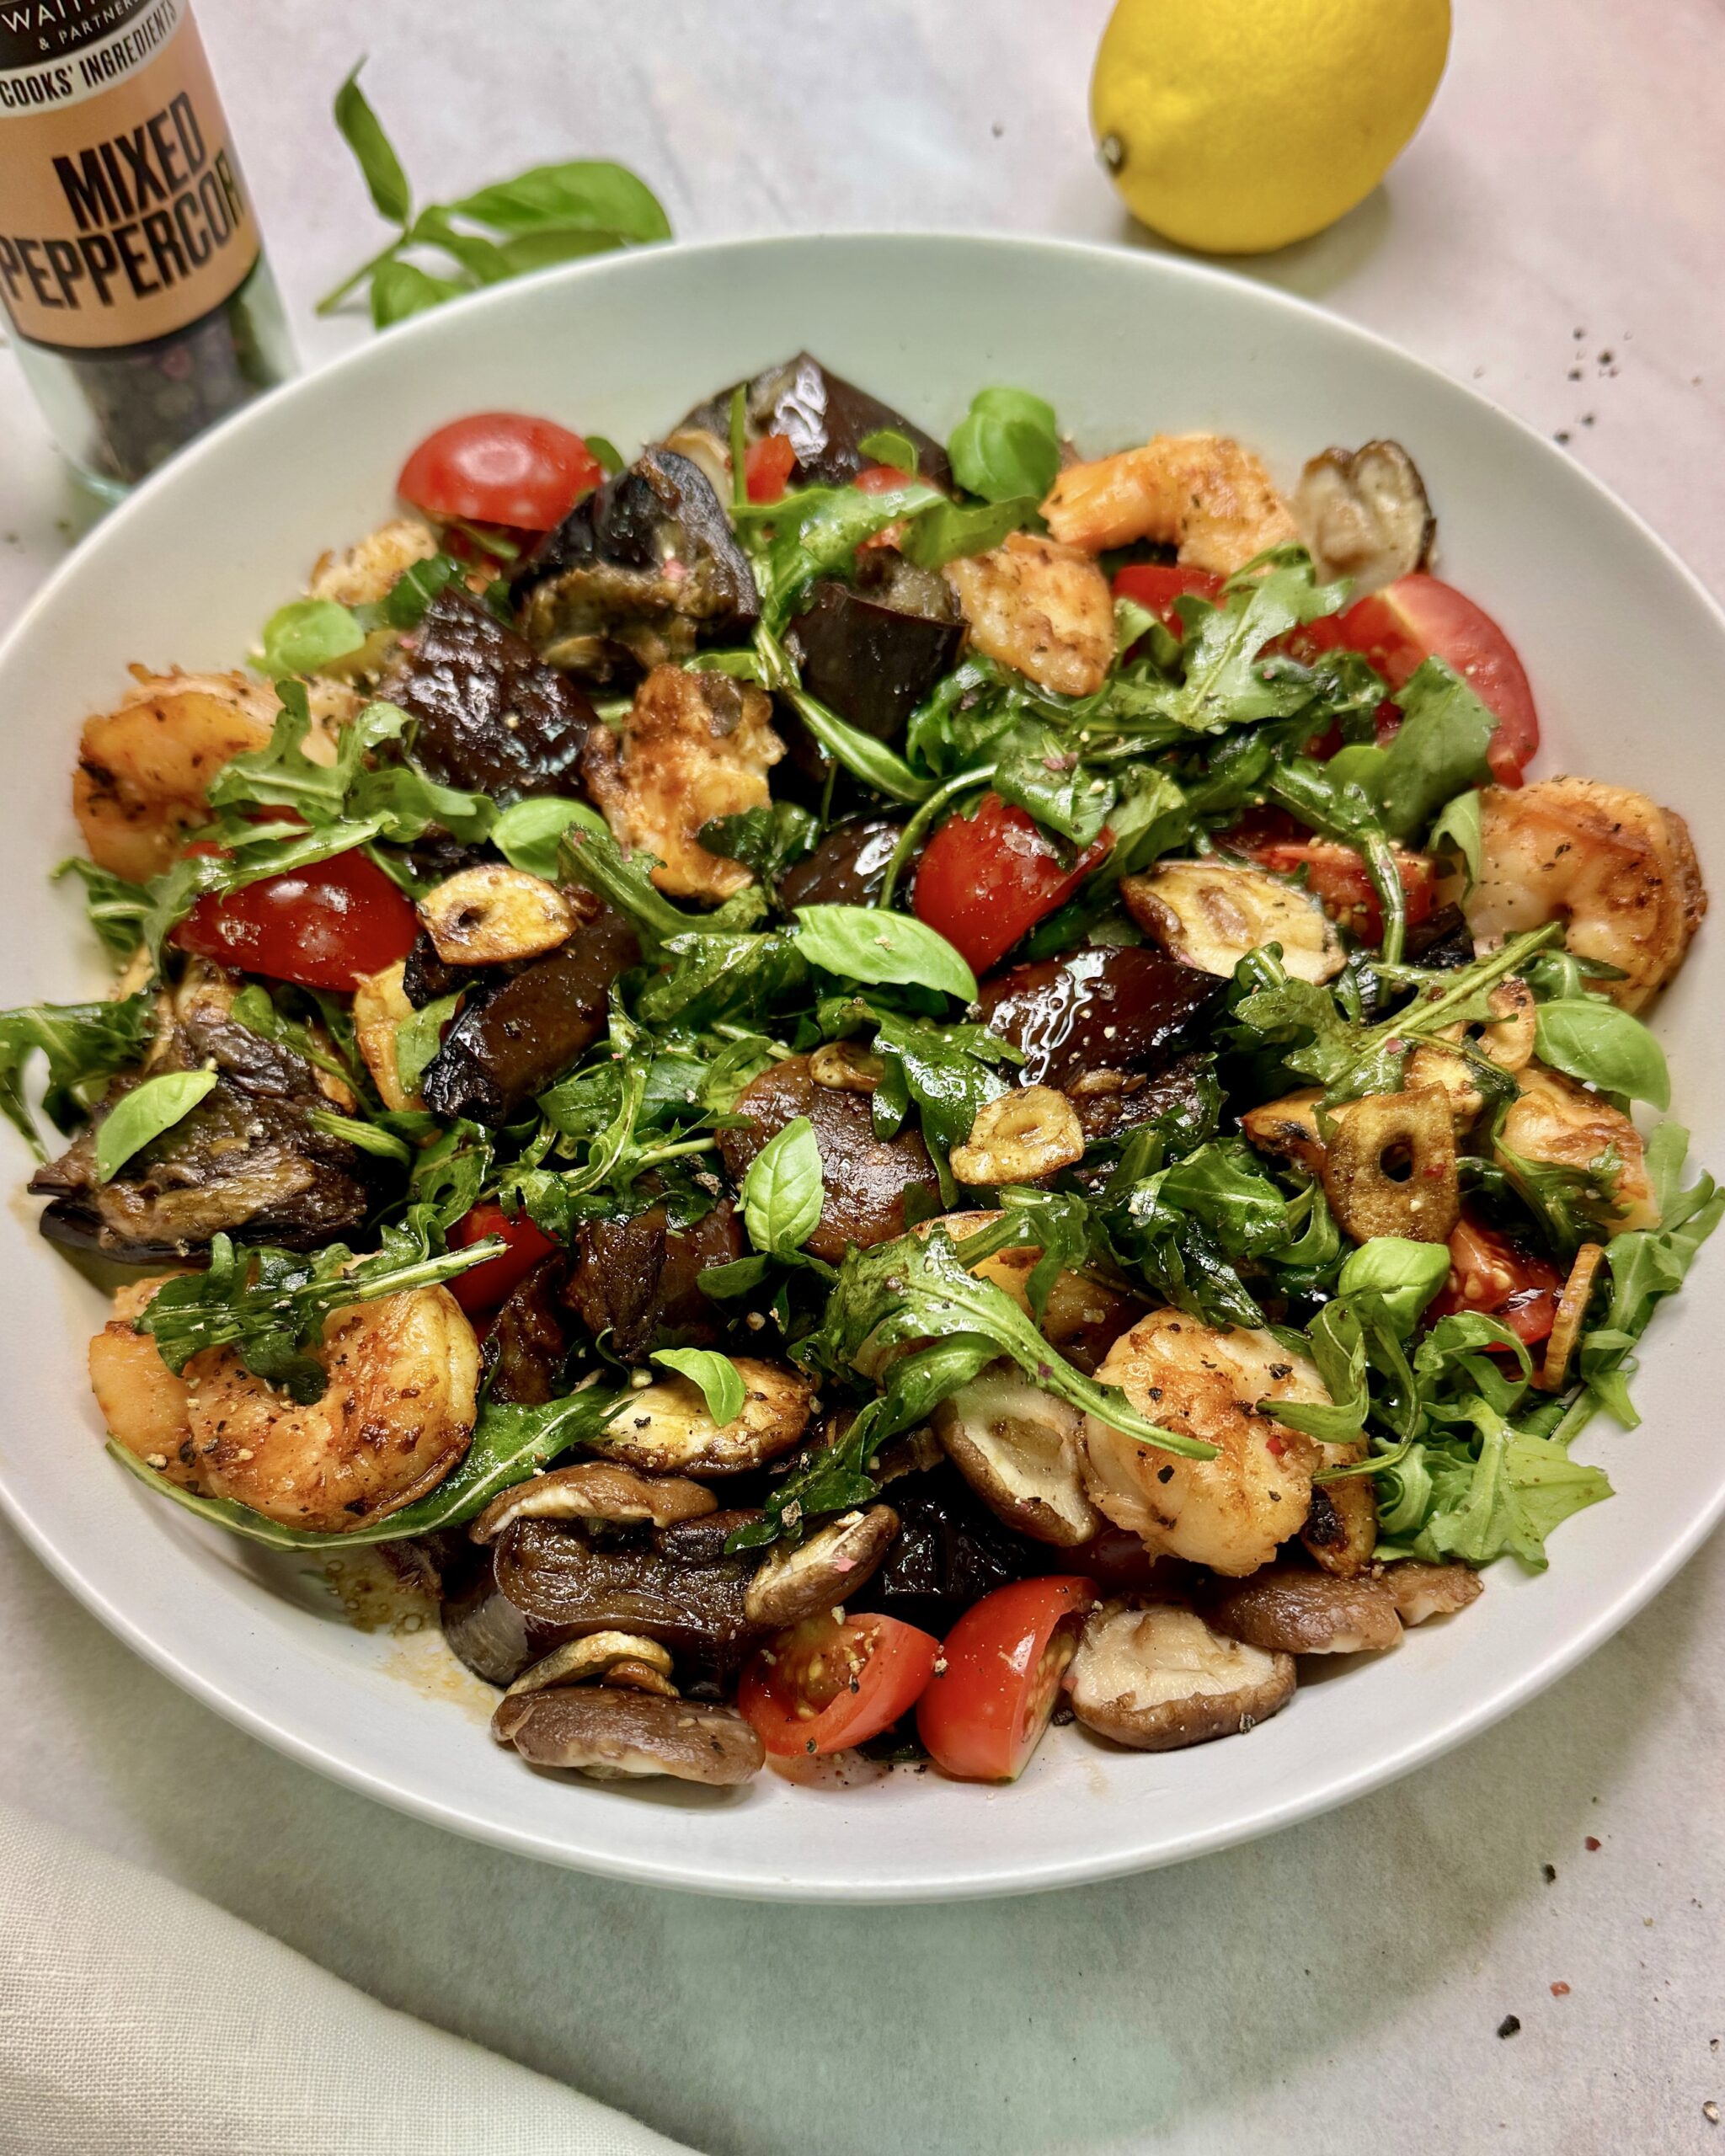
142 307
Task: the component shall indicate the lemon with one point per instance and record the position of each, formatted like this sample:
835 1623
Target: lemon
1235 126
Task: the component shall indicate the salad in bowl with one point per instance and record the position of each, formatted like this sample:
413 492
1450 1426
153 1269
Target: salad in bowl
859 1092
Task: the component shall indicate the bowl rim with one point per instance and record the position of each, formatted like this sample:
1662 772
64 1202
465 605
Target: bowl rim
752 1881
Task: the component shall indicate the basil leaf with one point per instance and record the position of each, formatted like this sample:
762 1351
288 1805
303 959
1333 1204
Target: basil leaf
720 1381
1007 445
82 1043
363 132
741 1276
529 833
482 258
1586 1036
950 531
888 446
399 289
863 944
610 456
304 636
782 1191
1457 830
509 1444
586 194
419 1038
143 1114
1405 1275
1439 749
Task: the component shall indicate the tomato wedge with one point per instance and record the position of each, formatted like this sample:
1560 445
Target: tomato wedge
831 1682
1334 874
323 926
500 467
1420 617
987 878
489 1284
882 479
767 466
1158 584
999 1676
1492 1275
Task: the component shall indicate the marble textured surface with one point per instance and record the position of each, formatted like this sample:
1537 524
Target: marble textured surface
1554 235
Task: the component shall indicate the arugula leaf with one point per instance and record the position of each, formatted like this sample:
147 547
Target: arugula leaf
271 1305
140 1116
591 856
1227 681
769 839
115 908
83 1043
839 1474
1036 773
949 1072
782 1192
950 531
1005 447
863 944
918 1288
1506 1499
1645 1266
394 801
716 977
719 1379
509 1444
1588 1037
449 1173
817 530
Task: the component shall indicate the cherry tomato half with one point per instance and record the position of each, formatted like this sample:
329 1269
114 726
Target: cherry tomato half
500 467
767 467
1335 874
323 926
828 1684
490 1284
999 1676
1490 1274
1158 584
1420 617
987 878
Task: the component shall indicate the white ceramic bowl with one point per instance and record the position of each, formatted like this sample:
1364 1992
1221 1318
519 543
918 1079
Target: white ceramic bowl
1626 654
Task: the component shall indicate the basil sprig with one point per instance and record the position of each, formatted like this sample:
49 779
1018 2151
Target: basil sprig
547 214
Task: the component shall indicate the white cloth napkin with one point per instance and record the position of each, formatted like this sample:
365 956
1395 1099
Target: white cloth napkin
137 2020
